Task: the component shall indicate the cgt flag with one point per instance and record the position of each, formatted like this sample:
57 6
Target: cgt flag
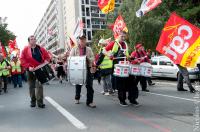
119 26
146 6
106 6
180 41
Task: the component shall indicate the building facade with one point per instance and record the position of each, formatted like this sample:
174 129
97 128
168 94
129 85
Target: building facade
60 19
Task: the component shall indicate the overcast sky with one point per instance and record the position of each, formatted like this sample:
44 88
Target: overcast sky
23 16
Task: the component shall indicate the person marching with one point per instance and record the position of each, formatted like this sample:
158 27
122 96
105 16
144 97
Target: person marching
119 49
4 72
105 64
32 56
82 50
184 74
139 56
16 71
60 69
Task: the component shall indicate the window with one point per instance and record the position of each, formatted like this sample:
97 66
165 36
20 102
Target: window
164 62
154 61
87 11
89 35
88 23
87 1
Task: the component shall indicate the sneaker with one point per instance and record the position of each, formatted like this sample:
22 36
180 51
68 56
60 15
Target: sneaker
193 90
123 103
107 93
135 103
146 90
33 104
41 105
91 105
182 89
151 84
77 102
102 92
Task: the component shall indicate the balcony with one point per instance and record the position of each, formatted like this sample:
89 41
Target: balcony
94 15
93 2
96 26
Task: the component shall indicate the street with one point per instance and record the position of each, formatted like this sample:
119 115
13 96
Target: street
162 110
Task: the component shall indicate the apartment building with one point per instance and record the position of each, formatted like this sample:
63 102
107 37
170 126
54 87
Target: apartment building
60 19
50 32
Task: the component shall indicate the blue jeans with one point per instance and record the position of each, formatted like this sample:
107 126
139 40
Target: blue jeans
17 79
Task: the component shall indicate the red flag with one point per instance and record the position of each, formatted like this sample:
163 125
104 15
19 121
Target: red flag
3 51
106 6
180 41
146 6
119 26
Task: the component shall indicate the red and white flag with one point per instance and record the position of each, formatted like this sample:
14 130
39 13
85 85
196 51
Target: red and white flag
119 26
146 6
78 31
180 41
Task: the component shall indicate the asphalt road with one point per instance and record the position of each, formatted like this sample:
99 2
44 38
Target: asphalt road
162 110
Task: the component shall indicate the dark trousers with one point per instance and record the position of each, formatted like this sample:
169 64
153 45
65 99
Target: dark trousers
17 79
113 80
3 79
132 88
24 77
35 89
143 82
127 84
183 74
89 87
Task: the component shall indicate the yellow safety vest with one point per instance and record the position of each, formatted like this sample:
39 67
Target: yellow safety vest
106 63
116 47
3 70
16 66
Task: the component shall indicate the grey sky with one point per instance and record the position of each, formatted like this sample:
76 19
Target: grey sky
23 16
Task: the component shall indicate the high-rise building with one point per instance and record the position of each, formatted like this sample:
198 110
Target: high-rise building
60 19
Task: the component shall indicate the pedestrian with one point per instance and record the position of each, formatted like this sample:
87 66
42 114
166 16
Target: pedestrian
183 74
81 50
119 51
32 56
149 80
4 73
139 56
60 69
105 64
16 71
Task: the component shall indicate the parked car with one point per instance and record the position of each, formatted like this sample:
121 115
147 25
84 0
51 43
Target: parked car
164 67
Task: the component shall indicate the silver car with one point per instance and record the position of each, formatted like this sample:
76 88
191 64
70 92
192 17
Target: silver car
164 67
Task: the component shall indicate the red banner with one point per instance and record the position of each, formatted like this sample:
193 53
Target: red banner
180 41
106 6
119 26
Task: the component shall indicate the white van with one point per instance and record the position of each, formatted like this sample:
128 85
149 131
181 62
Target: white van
164 67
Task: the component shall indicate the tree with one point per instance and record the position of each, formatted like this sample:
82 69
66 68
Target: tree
5 35
147 29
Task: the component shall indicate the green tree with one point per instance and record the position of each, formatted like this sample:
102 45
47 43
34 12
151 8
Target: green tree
5 35
147 29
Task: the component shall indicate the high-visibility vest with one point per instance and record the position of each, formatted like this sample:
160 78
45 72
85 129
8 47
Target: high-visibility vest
16 67
106 63
117 46
3 70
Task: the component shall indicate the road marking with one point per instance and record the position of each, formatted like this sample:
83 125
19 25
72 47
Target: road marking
147 122
193 100
66 114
